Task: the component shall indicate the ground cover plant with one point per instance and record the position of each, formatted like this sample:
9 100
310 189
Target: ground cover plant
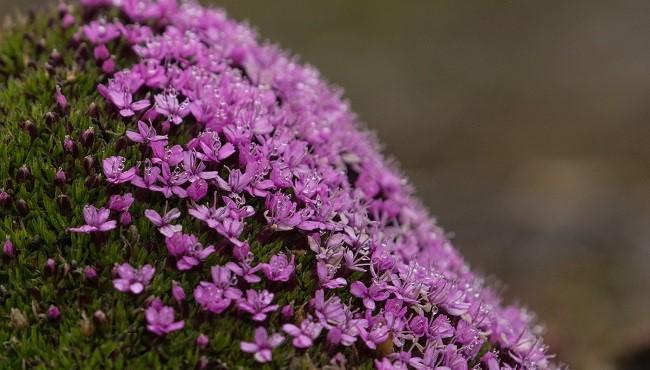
176 193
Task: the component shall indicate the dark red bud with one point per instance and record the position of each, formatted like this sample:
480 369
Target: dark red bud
23 173
50 118
88 163
30 127
88 137
55 57
5 199
22 207
64 202
93 111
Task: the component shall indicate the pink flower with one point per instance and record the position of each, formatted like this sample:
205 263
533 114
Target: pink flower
202 341
96 220
217 296
279 268
160 318
167 104
187 249
132 280
60 99
369 295
8 248
257 304
100 32
145 135
114 170
263 345
122 98
303 336
120 203
164 222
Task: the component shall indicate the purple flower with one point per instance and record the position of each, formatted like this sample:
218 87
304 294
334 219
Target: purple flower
281 212
160 318
257 304
114 170
132 280
187 249
120 203
217 296
145 135
164 222
50 265
245 270
122 98
100 32
279 268
197 190
167 104
177 291
326 277
96 220
263 345
303 336
53 312
375 293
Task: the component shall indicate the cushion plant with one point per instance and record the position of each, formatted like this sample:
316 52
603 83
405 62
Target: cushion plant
177 194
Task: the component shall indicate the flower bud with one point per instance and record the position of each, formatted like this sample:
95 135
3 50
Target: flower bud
88 163
61 100
287 312
53 312
69 145
101 53
93 181
50 118
177 291
5 199
55 57
125 218
8 248
67 21
64 202
31 129
88 137
93 110
99 316
18 319
108 66
202 341
90 273
23 173
82 52
50 265
22 207
60 177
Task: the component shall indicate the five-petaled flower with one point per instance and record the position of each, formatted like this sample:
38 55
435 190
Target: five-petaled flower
133 280
160 318
263 344
96 220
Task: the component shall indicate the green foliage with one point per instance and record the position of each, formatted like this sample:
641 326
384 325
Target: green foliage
76 340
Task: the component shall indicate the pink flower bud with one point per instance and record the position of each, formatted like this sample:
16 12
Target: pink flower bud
125 218
202 341
53 313
8 248
177 292
90 273
50 265
101 53
60 177
61 100
108 66
287 311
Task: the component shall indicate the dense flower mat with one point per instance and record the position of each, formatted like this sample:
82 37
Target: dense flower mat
176 193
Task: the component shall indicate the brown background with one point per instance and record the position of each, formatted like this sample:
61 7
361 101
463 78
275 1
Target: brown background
525 128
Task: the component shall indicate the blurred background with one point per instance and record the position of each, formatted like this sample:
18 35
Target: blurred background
524 125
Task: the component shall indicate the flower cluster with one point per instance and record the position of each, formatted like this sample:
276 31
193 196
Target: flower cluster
231 130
